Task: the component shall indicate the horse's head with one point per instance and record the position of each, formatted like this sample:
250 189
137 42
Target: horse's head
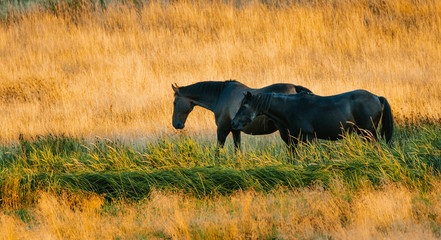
182 106
246 114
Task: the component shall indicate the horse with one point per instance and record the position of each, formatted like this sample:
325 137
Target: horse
305 116
223 98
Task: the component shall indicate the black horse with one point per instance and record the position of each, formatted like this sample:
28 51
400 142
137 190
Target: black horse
306 116
223 99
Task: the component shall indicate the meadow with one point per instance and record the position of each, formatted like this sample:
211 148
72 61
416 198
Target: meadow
87 149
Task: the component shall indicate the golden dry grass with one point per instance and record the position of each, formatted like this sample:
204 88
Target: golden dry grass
392 212
108 73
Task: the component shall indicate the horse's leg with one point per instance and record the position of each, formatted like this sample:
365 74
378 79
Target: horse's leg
367 130
236 138
374 135
222 136
307 138
285 136
373 127
290 141
292 147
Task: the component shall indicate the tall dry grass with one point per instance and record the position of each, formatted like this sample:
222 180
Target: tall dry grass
107 72
392 212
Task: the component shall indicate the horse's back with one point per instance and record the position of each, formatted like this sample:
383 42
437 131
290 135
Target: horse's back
325 115
356 97
361 102
358 107
285 88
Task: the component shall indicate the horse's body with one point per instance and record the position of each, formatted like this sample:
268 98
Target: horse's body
307 116
223 99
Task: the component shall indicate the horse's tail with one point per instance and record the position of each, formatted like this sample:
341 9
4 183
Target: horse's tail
387 120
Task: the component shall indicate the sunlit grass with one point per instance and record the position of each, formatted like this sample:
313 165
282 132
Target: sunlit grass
108 72
392 211
199 168
88 151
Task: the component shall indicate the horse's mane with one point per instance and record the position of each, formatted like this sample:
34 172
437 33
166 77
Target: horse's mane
207 88
262 101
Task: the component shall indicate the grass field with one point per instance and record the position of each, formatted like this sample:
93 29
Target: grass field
57 187
109 72
87 150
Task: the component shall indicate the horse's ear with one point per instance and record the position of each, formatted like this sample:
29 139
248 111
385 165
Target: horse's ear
175 88
248 95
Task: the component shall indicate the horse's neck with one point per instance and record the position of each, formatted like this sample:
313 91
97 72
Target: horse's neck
207 96
207 103
277 111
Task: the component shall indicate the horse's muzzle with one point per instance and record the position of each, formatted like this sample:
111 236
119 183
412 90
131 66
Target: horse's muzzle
235 125
178 125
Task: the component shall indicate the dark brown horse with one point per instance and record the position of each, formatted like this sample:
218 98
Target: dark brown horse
223 99
306 116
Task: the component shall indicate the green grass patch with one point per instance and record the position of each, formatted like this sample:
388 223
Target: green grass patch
197 167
